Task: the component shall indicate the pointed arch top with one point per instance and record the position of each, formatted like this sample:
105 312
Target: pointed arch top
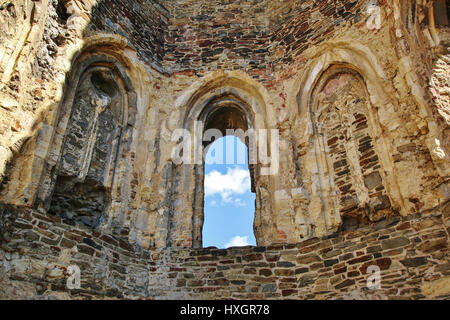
236 85
352 56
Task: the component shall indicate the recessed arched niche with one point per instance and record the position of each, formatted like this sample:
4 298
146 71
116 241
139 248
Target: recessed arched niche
86 177
88 159
353 181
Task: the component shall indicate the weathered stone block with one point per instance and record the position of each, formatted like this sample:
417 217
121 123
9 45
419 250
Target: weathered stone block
414 262
308 259
329 263
395 243
344 284
269 287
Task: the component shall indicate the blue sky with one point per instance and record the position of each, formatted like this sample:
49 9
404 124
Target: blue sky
229 203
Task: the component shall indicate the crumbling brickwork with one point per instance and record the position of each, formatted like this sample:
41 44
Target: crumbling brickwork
342 124
411 253
92 93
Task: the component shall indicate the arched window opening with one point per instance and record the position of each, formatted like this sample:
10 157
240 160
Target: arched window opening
225 115
214 114
229 203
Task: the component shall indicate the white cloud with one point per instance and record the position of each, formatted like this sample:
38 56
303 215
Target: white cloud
213 203
239 203
235 181
237 242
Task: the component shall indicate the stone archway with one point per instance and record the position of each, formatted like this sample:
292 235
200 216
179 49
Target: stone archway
94 129
223 115
86 169
222 108
348 159
359 60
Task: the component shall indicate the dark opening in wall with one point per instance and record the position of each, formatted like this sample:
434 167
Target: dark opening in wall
79 203
62 12
350 223
441 9
9 7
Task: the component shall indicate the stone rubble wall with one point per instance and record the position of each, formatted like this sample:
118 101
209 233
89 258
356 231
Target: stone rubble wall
377 43
411 253
172 54
258 36
144 23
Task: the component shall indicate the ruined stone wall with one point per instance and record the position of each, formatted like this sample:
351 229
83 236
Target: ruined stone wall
218 35
42 252
380 67
259 37
411 253
389 71
63 46
143 23
370 39
28 29
298 26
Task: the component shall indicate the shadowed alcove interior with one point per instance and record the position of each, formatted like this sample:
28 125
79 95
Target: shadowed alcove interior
231 116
